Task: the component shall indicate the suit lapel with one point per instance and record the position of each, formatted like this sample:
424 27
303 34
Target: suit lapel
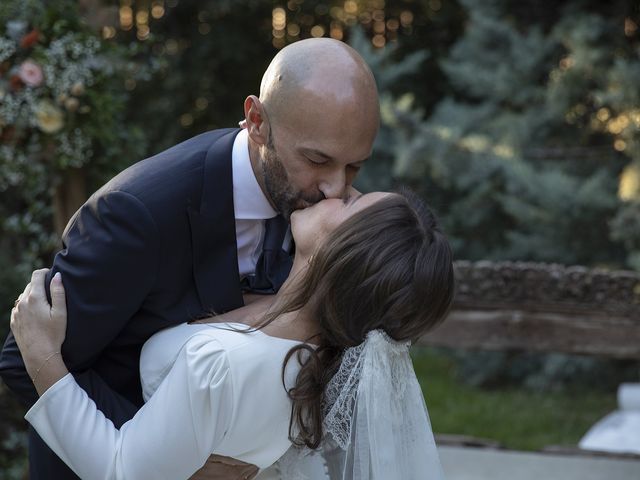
213 233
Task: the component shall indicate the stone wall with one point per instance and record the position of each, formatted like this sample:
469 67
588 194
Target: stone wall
550 287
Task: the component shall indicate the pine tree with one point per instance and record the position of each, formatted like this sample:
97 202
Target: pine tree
522 160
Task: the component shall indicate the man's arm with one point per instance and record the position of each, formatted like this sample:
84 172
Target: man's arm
108 266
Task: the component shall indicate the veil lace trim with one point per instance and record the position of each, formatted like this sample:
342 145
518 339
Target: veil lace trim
376 424
342 390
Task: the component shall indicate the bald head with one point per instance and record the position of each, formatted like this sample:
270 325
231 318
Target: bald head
314 125
318 72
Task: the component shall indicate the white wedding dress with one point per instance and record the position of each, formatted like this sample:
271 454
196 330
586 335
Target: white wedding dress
209 389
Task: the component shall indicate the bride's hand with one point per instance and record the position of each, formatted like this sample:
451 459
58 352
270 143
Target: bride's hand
40 328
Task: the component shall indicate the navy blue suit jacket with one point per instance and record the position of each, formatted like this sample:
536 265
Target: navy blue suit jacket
154 247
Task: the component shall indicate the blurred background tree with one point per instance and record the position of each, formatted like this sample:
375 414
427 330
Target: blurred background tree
530 155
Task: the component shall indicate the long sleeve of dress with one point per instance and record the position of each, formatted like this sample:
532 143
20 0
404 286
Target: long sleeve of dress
169 438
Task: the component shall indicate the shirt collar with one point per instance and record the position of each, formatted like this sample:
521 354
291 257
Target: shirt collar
249 202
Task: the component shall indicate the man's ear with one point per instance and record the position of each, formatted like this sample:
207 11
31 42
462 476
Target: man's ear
256 120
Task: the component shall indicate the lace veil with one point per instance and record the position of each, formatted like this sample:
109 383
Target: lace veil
375 421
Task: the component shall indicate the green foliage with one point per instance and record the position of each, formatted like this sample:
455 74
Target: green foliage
204 78
62 107
540 372
387 70
516 418
13 438
519 158
384 66
625 226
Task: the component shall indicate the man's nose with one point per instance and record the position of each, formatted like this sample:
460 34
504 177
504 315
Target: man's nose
351 191
334 185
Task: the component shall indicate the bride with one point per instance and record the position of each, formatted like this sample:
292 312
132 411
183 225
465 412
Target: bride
319 371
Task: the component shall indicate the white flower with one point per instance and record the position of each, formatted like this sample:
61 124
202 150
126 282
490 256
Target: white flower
77 89
71 104
49 117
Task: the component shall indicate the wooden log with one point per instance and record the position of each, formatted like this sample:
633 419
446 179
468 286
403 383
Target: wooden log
543 307
509 328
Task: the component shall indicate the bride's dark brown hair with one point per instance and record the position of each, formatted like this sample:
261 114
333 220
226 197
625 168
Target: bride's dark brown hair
388 267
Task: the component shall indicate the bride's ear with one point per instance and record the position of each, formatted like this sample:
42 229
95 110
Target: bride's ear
256 120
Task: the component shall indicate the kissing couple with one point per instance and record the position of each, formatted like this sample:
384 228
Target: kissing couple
233 308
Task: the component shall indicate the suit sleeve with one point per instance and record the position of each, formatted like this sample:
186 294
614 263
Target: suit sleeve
198 391
108 265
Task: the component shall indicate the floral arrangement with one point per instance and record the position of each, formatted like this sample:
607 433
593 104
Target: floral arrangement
43 93
63 104
55 77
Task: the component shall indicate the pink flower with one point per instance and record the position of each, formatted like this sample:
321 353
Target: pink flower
30 73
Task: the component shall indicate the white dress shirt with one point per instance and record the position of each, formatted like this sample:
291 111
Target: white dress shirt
250 205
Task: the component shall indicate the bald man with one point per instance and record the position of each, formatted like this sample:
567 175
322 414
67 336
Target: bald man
198 227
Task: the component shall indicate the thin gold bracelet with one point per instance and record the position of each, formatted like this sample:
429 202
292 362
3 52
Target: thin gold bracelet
43 364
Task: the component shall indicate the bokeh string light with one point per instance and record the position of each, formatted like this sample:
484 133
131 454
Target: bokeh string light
291 21
137 15
279 24
382 21
294 20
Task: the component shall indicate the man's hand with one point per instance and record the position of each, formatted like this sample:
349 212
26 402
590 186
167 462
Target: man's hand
225 468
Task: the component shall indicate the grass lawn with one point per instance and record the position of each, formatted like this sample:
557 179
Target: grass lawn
516 418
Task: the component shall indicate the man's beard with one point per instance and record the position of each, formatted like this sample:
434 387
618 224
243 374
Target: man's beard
282 194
